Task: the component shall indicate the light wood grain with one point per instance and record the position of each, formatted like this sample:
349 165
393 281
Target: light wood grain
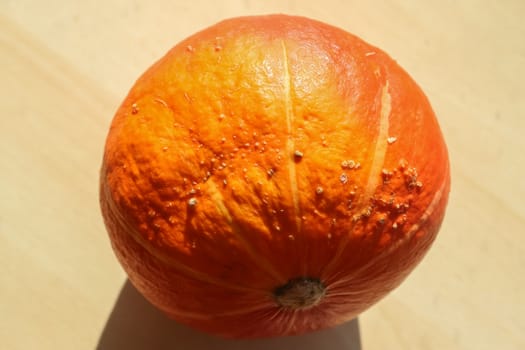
65 67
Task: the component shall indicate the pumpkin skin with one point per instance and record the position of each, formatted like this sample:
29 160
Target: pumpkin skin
270 176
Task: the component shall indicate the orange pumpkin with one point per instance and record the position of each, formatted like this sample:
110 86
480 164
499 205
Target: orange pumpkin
271 176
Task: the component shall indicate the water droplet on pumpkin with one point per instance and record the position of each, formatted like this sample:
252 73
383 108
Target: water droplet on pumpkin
134 109
348 164
391 140
343 178
411 177
319 190
192 202
387 175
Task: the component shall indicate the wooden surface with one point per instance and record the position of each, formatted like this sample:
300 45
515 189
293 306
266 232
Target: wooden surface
65 67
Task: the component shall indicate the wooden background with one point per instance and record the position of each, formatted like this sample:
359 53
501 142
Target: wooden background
66 65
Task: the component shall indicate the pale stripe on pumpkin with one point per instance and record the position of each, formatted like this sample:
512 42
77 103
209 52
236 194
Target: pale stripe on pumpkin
374 175
429 210
379 154
185 270
218 199
290 141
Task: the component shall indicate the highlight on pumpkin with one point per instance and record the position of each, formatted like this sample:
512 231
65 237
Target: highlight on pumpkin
272 175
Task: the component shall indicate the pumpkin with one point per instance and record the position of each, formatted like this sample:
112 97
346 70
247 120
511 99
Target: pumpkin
270 176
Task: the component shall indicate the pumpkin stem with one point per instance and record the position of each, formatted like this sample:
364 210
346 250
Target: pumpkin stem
300 293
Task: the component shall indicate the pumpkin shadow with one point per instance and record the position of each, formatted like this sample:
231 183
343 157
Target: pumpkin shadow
134 324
